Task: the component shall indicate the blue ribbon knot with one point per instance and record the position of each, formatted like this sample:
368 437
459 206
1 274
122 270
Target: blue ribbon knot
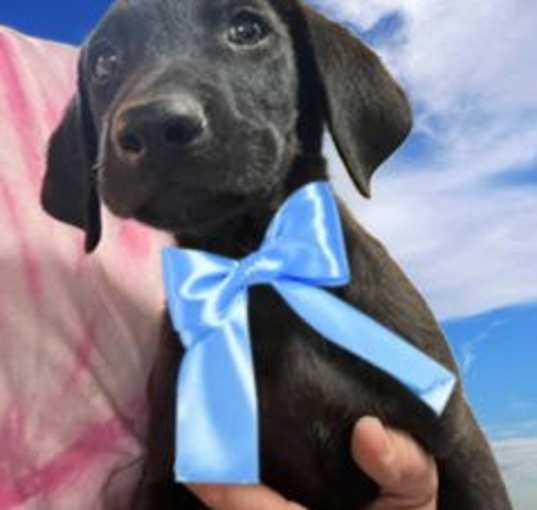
217 439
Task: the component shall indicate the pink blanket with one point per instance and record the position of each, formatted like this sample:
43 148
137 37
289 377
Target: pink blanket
77 333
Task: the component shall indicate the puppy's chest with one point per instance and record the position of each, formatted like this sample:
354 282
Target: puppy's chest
311 391
307 383
302 376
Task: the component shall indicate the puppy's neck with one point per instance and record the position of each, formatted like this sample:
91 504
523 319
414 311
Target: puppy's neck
243 234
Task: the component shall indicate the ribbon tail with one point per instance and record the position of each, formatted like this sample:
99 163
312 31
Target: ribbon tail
217 417
359 334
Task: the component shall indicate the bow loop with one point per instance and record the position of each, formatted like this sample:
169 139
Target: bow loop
306 235
190 279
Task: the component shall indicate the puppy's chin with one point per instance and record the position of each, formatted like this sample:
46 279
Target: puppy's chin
198 217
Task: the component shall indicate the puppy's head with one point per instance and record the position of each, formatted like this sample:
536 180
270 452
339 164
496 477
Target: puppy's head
190 112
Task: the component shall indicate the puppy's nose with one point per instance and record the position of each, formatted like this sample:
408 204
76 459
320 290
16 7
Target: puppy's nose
158 126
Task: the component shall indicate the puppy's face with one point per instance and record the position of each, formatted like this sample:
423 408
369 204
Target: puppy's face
191 112
194 103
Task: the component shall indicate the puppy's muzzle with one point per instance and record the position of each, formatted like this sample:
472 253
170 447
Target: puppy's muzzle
164 126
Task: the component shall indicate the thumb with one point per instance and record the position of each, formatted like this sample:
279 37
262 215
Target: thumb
407 476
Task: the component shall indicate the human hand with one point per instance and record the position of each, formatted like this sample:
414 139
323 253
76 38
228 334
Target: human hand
406 474
242 497
408 477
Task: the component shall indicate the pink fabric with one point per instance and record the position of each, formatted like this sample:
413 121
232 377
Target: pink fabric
77 333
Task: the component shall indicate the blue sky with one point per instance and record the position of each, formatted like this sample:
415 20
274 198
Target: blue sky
60 20
457 205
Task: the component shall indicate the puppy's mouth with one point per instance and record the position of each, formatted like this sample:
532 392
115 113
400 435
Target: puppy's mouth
196 213
170 206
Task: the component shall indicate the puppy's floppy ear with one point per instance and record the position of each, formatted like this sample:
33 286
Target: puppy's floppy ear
69 190
367 112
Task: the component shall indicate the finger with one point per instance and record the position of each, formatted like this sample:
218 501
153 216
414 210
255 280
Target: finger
235 497
395 461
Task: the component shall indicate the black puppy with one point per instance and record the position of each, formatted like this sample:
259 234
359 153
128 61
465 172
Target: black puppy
200 117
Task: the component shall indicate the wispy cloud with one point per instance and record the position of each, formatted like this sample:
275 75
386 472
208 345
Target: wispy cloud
469 348
456 218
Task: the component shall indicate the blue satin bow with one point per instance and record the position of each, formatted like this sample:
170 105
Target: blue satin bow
217 416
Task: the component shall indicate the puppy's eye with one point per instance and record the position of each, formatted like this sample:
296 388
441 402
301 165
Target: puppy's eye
105 66
248 29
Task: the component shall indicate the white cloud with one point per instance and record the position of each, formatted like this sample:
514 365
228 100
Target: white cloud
513 431
518 461
481 52
364 14
471 69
